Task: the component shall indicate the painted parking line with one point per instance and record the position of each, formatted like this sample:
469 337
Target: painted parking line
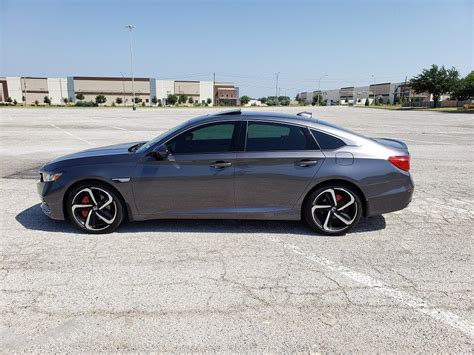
383 289
429 142
72 135
120 128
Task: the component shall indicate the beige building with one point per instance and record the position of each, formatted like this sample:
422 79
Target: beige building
112 88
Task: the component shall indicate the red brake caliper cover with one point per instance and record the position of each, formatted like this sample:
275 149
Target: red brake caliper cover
338 198
85 200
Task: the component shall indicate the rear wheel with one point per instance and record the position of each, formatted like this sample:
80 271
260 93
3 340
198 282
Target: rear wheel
333 209
95 208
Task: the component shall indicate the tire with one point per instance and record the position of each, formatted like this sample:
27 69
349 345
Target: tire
333 209
95 208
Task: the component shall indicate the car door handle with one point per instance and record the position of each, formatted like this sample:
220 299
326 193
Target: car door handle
220 164
307 162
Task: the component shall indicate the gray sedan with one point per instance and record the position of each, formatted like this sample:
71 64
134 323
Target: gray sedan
233 165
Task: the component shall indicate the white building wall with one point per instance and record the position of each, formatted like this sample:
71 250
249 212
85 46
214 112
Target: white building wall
164 88
206 91
57 88
15 91
332 96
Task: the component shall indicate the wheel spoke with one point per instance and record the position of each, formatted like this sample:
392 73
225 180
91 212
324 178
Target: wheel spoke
333 195
342 219
88 219
320 207
74 207
109 201
326 222
347 204
91 194
106 220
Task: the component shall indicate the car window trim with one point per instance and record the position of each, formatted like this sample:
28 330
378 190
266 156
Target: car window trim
305 128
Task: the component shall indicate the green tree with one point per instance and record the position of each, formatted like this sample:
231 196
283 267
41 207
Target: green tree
15 102
263 100
366 102
284 100
65 100
272 101
465 88
154 100
100 99
80 96
9 100
209 101
191 101
118 100
171 99
244 100
137 100
47 100
36 102
182 98
436 81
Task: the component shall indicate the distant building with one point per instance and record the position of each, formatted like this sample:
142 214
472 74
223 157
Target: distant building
385 92
118 90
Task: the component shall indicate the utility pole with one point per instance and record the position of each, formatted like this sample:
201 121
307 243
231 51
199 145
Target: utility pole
276 86
130 28
319 86
123 88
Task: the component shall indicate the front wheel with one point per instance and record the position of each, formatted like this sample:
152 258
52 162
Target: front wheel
333 209
95 208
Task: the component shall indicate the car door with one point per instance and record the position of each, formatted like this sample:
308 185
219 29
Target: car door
278 162
196 178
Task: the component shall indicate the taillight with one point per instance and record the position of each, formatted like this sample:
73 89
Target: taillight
401 162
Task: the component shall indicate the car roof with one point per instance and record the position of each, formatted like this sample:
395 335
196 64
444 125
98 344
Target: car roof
303 119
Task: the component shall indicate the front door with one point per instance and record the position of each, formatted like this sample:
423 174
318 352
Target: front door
278 163
196 178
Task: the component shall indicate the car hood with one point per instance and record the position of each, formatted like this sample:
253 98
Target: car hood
98 155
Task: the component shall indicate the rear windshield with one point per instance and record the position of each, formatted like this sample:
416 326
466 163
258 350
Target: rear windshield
325 123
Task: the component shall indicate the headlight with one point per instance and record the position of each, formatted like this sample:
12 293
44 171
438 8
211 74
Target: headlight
47 177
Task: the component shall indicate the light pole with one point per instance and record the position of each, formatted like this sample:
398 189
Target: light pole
319 86
276 86
373 76
130 28
123 88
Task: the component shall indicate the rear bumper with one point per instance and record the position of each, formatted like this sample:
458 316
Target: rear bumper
51 203
391 197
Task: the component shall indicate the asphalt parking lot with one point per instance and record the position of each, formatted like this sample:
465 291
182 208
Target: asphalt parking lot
401 282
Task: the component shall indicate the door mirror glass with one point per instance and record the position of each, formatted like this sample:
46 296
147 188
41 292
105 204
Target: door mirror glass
160 152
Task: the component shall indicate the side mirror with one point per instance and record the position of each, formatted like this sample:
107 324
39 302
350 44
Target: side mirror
160 152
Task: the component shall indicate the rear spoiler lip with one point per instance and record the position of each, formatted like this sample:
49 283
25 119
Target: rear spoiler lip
403 145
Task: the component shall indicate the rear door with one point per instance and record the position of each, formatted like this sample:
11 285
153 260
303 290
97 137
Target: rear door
278 162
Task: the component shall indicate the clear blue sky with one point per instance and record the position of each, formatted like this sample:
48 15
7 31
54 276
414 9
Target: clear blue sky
242 41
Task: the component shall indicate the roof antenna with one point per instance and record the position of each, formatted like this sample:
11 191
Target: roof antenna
305 114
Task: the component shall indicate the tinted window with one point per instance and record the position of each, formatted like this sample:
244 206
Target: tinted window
326 141
212 138
274 136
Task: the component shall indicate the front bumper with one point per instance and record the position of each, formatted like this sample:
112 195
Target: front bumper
51 202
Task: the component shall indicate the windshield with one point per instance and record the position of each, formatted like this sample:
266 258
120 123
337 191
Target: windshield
155 140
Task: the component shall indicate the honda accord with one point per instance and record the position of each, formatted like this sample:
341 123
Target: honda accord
233 165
